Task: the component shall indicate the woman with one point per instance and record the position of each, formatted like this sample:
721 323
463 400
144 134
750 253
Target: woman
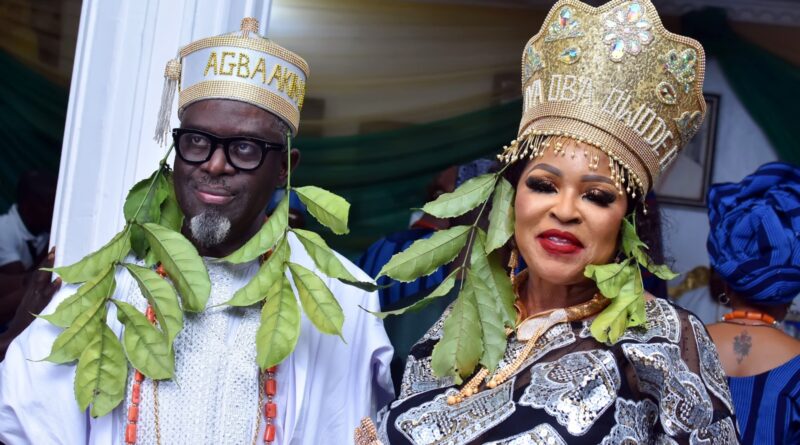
754 246
609 97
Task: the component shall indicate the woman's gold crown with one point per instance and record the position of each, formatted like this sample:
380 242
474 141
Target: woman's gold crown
613 77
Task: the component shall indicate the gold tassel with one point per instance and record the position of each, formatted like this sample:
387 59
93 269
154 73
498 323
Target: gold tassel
248 25
172 75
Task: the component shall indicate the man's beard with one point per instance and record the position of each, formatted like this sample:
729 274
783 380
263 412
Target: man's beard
209 229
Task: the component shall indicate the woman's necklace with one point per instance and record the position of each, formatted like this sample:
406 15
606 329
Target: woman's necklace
761 317
530 329
267 387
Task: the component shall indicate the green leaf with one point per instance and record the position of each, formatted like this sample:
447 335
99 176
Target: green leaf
171 213
501 217
611 278
630 240
162 297
326 259
489 270
492 323
461 346
101 374
502 285
626 309
266 237
329 209
86 297
662 271
71 343
318 302
463 199
441 290
280 325
633 247
261 285
424 256
146 347
150 259
145 197
95 263
98 288
183 265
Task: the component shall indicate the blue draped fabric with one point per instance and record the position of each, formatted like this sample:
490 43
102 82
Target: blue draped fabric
379 253
768 405
754 236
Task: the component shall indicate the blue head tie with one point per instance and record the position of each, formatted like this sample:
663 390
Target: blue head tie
754 236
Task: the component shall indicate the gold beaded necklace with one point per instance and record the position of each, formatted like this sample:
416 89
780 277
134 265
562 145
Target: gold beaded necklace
530 329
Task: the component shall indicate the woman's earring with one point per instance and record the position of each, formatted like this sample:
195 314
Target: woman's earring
723 299
513 264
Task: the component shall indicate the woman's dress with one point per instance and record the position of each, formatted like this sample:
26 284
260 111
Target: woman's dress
768 405
661 384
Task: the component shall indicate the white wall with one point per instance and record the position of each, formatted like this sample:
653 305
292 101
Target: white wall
123 46
741 147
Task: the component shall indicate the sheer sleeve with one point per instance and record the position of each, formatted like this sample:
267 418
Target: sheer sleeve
684 378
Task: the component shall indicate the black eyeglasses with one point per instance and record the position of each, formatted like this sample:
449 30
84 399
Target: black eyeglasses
242 152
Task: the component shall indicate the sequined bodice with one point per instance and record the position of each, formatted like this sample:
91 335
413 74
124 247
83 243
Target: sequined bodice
214 395
662 384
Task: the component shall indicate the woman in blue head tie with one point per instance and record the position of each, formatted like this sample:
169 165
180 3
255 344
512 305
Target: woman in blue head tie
754 247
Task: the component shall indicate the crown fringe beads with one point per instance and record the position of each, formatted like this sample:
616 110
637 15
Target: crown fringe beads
172 74
534 144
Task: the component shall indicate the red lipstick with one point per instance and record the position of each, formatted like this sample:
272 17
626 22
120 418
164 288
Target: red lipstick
558 242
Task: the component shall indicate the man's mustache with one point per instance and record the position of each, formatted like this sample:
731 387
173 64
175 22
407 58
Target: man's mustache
213 182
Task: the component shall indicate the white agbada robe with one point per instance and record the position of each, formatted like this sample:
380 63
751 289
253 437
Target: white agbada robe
324 387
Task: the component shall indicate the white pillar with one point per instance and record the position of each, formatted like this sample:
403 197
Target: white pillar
123 46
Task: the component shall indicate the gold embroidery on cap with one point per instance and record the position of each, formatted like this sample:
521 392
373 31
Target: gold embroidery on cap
212 63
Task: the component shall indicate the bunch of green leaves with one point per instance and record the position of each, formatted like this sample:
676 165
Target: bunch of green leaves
152 232
280 314
475 328
622 283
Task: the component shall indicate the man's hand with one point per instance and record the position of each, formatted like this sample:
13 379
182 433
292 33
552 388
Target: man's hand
40 289
35 296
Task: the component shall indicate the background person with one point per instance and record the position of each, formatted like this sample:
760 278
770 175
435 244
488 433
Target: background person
754 247
24 235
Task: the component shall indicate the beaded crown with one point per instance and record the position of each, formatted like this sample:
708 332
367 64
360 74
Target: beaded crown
612 77
241 65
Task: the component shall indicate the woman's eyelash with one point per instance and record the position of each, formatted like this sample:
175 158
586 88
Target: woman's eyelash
601 197
540 185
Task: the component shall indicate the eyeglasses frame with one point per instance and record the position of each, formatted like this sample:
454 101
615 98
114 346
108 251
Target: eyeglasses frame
216 141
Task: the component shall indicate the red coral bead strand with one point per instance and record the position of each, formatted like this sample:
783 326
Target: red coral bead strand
138 378
270 408
133 408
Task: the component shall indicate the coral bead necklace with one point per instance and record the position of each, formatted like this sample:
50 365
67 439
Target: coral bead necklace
750 315
268 388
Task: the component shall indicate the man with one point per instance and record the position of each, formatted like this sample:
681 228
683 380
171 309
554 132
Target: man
24 233
323 388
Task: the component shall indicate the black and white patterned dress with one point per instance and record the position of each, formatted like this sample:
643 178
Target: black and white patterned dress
659 385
